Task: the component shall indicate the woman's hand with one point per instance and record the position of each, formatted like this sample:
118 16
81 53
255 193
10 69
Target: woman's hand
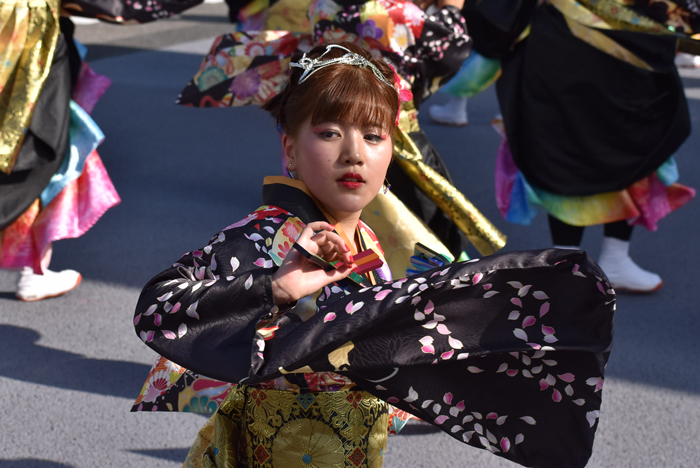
298 276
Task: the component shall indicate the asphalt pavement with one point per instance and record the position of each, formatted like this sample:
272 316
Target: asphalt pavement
70 367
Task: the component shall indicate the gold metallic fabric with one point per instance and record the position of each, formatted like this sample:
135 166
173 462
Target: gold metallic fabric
479 230
398 231
258 428
28 33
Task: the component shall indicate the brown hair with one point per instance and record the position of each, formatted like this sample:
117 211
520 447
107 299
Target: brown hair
337 93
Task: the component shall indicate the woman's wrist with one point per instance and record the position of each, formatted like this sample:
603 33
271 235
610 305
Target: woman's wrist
279 293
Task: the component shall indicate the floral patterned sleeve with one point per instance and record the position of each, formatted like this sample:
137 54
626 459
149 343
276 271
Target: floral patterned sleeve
206 306
438 52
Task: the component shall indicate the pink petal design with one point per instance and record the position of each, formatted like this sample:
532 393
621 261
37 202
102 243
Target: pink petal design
175 308
524 290
415 300
502 368
529 419
259 262
329 316
512 372
442 329
381 295
477 278
540 295
447 398
157 320
426 340
575 268
556 396
599 385
197 254
447 354
534 345
488 286
460 406
428 349
544 385
474 369
517 302
167 307
429 308
519 439
547 330
352 308
505 444
379 387
528 321
439 318
490 294
600 287
150 335
514 315
150 310
516 284
519 333
501 420
568 377
392 400
441 419
544 309
169 335
492 416
137 319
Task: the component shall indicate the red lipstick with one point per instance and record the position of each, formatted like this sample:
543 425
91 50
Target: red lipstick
351 180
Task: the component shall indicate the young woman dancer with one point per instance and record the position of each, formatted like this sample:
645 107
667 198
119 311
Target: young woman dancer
492 351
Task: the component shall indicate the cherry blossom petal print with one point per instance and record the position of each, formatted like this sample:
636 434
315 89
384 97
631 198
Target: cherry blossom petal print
514 315
441 419
181 330
150 310
454 343
544 309
381 295
235 263
248 282
529 419
520 333
505 444
443 330
456 429
556 395
501 420
192 310
528 321
517 302
490 294
522 292
516 284
329 317
447 355
467 436
568 377
169 335
412 396
540 295
477 278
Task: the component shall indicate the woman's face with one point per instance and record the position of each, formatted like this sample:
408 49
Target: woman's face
343 165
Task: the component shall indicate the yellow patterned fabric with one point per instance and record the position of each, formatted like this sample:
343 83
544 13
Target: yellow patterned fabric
28 33
258 428
479 230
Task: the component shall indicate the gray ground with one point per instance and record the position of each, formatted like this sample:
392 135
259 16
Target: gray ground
71 366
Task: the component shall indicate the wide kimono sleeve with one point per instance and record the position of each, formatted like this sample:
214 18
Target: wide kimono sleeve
438 52
203 310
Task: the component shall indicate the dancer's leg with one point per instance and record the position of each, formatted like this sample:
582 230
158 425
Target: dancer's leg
565 236
615 261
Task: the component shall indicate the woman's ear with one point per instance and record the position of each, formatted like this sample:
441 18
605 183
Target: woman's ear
288 147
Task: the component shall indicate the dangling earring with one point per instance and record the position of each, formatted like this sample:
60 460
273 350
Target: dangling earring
387 186
291 173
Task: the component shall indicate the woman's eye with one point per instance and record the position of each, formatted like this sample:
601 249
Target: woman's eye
329 134
373 138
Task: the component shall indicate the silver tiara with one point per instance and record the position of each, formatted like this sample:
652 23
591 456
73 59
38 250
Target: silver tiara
311 66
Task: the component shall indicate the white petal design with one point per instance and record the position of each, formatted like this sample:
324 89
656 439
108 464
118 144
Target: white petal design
478 428
436 408
443 330
520 333
524 290
527 373
490 294
168 334
461 356
516 284
491 437
550 339
580 402
430 325
426 340
454 343
401 299
418 316
165 296
150 310
540 295
467 436
467 418
514 315
248 282
502 368
426 403
519 439
181 330
234 264
529 419
412 396
456 429
501 420
474 369
192 310
439 318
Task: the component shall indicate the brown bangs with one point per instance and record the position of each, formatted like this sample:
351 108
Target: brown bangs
353 95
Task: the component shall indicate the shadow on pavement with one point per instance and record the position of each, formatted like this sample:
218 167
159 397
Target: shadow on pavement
32 463
26 361
176 455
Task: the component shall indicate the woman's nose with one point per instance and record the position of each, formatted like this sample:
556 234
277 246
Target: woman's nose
353 153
